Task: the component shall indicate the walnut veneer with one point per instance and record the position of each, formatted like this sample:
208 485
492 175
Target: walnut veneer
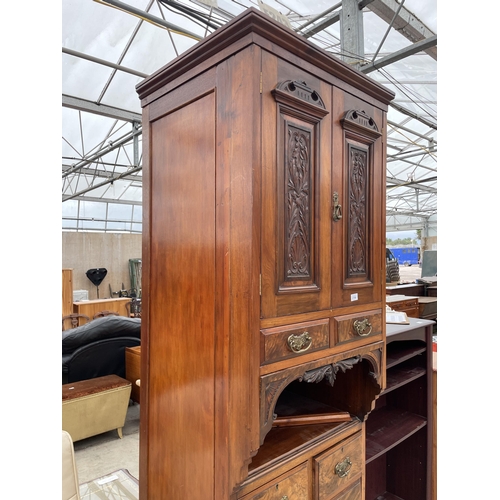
263 268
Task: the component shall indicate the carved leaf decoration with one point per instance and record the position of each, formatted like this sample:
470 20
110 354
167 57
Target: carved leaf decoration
357 211
297 193
329 371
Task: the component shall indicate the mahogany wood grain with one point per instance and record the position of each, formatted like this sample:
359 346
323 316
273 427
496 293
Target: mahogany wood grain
182 330
245 146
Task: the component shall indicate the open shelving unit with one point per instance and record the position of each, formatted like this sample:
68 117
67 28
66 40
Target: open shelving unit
398 431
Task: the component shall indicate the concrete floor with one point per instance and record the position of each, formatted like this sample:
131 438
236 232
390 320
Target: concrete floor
100 455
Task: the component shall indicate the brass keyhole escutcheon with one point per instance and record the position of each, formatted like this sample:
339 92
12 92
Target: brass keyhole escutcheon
343 468
299 343
362 327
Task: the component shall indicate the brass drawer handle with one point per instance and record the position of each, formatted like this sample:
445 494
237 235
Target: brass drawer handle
343 468
337 207
361 326
299 343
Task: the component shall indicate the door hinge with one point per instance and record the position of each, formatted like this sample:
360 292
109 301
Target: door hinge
260 284
261 82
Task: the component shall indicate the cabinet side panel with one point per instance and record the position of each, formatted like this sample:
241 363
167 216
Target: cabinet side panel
182 303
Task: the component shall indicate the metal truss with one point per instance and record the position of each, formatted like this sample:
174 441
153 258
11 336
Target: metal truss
102 176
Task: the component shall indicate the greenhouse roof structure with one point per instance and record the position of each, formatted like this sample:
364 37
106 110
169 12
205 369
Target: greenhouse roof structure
109 46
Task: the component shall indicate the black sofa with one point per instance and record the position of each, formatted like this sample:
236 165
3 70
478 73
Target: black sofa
98 348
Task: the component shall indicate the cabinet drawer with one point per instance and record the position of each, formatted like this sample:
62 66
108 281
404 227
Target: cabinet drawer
353 492
290 341
337 467
358 326
290 486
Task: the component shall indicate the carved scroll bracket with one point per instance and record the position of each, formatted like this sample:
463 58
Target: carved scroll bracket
299 96
359 121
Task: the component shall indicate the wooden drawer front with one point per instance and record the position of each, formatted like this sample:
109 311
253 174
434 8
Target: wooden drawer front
290 341
358 326
337 467
353 492
409 306
290 486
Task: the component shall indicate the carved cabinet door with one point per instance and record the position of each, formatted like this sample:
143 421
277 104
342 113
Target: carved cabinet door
296 158
358 214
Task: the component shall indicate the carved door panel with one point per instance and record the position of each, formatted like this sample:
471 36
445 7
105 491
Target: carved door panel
296 150
358 216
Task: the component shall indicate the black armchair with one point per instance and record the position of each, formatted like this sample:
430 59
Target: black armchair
98 347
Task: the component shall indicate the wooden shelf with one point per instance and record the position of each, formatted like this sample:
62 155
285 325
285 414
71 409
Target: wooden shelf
387 428
394 357
397 377
388 496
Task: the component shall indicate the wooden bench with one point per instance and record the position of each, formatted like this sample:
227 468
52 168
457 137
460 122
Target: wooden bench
94 406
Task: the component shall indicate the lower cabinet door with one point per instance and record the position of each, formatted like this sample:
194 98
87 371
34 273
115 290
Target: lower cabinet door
290 486
337 468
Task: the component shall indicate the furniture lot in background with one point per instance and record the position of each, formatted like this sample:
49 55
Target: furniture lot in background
91 407
98 348
134 307
133 370
93 307
74 320
403 303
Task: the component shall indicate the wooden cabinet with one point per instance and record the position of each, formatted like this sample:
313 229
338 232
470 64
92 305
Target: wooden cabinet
262 291
399 430
133 370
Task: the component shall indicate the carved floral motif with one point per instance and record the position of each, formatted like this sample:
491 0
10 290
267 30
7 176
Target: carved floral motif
298 244
357 210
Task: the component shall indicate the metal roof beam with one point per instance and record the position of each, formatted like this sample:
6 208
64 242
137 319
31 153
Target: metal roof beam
400 54
100 109
141 14
97 60
405 22
107 200
101 184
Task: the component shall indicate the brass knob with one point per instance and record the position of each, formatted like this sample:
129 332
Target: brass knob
362 327
299 343
343 468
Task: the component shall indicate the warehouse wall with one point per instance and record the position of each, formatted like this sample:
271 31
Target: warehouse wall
84 251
